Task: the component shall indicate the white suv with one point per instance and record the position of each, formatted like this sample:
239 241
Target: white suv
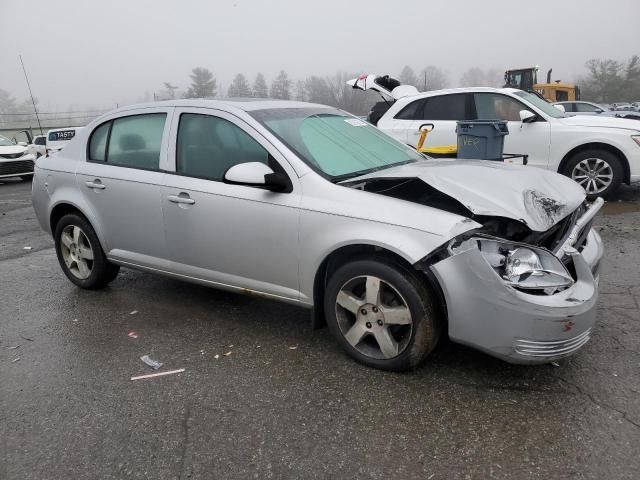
598 152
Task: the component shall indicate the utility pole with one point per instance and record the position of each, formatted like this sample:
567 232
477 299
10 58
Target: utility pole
31 93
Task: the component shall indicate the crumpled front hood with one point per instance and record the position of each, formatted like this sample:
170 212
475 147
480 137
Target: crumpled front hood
536 197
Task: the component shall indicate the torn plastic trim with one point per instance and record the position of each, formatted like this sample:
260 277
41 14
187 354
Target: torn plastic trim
579 226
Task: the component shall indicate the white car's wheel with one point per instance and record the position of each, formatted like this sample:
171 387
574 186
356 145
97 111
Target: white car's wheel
597 171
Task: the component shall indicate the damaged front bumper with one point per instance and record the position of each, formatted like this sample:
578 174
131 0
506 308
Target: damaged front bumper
487 313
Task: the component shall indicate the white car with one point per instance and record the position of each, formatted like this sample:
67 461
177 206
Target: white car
15 159
39 145
581 107
598 152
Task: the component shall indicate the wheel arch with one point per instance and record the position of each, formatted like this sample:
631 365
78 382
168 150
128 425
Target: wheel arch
65 207
340 255
601 146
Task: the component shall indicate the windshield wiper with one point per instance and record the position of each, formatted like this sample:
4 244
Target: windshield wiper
359 173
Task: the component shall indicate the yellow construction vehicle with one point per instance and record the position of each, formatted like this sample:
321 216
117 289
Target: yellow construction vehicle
527 79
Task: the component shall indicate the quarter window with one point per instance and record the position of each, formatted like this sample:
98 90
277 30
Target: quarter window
208 146
98 143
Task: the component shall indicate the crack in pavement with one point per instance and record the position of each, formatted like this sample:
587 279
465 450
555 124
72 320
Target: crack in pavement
593 400
185 439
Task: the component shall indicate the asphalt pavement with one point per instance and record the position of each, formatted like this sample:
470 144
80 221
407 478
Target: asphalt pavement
285 402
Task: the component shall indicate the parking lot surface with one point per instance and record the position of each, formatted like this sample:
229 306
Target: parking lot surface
285 402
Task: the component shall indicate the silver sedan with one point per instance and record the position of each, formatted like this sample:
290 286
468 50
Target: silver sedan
309 205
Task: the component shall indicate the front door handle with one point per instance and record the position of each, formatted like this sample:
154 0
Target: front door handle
97 184
182 198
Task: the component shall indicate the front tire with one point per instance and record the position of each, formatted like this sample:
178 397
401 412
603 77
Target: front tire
599 172
381 313
80 254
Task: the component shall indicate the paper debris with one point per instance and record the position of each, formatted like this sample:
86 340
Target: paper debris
27 248
293 347
228 353
216 356
17 359
133 312
159 374
152 363
132 334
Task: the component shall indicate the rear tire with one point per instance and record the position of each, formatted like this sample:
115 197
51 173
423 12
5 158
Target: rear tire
598 171
80 254
381 313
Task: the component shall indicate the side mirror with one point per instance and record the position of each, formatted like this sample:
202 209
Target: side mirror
560 107
23 144
598 110
526 116
257 174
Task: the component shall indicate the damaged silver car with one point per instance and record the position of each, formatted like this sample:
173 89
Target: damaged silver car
309 205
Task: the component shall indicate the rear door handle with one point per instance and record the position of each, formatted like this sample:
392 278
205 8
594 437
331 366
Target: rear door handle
97 184
181 198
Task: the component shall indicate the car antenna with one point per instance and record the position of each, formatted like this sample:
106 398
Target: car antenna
31 93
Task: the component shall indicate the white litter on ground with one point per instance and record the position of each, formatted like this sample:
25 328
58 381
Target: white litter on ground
159 374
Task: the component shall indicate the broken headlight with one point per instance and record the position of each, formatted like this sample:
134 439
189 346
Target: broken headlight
522 266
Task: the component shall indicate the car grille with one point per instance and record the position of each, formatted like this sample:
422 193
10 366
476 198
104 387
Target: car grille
553 349
16 168
11 155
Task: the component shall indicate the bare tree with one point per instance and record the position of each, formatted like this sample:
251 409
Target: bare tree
474 77
408 76
347 98
494 78
432 78
604 82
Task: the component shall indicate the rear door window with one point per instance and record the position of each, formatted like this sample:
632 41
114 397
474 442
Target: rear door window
413 111
444 107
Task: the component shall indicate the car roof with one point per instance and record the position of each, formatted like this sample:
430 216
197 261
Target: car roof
448 91
246 104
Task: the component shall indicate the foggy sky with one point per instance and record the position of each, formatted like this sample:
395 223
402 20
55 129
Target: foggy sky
99 53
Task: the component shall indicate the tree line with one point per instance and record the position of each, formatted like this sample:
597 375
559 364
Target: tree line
605 81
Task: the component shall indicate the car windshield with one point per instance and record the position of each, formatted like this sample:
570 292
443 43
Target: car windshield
5 142
541 104
337 145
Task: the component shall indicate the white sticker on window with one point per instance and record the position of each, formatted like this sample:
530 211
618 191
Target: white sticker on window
355 122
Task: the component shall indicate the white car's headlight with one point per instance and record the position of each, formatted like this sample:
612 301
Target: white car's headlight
522 266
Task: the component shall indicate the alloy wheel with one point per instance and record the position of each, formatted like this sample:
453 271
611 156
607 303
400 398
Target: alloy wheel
76 251
373 317
595 175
